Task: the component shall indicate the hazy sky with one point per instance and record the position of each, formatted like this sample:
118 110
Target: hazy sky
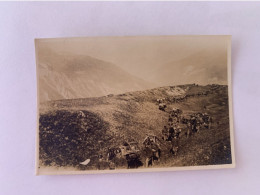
146 56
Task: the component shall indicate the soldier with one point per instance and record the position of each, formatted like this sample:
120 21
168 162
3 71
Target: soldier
111 158
210 122
147 141
197 125
152 152
179 111
112 165
171 133
175 140
125 148
151 139
111 154
165 133
159 101
175 119
207 121
189 129
177 132
170 121
101 162
193 123
184 120
156 151
148 156
179 118
175 146
162 106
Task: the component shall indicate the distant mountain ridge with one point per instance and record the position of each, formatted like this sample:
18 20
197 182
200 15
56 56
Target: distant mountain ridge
195 68
70 76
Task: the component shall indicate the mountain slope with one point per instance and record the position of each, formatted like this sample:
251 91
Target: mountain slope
133 115
195 68
69 76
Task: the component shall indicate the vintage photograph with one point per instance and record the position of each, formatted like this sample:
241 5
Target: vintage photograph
134 104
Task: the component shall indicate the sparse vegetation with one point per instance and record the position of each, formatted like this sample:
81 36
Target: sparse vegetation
72 131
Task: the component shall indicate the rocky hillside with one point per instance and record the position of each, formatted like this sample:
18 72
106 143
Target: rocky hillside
77 129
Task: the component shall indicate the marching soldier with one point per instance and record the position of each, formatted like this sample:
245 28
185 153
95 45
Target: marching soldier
165 133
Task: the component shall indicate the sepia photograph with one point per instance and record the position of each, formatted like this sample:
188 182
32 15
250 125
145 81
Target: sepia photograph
134 104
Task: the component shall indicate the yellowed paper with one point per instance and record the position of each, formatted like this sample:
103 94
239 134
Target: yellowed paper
134 104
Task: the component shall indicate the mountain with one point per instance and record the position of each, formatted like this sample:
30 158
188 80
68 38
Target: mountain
67 76
203 67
